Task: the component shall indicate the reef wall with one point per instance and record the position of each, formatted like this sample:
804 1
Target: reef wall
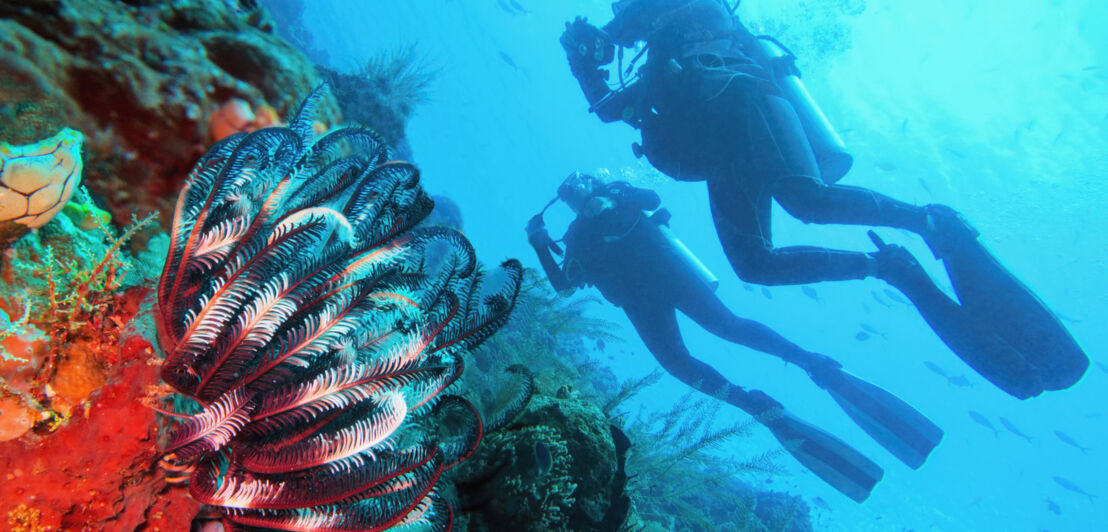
141 79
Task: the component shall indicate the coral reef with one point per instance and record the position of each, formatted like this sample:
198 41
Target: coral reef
676 477
237 116
299 311
607 469
75 360
383 93
65 291
557 465
140 79
507 486
36 181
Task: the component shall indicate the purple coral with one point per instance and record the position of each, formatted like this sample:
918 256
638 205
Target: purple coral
299 308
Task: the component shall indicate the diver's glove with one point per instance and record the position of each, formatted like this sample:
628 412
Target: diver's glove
539 238
587 47
537 235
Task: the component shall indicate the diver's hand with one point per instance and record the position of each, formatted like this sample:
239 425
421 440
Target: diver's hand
537 235
587 47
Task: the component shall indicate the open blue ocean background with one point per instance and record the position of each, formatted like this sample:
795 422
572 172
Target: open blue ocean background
998 108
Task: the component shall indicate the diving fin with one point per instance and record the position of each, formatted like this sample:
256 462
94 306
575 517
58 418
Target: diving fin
832 460
977 342
893 423
994 296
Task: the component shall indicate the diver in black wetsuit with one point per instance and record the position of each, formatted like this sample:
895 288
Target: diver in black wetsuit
715 103
638 265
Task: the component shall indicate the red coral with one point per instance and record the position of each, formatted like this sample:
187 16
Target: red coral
95 472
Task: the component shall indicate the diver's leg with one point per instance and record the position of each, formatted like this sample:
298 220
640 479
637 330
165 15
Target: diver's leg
656 325
812 201
838 464
705 308
740 199
796 184
897 426
740 203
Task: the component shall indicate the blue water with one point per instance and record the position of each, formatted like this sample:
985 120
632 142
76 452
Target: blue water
996 107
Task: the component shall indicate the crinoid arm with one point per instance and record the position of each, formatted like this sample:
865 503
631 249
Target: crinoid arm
299 306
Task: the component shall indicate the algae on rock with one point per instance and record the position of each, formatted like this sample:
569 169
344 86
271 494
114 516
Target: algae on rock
140 79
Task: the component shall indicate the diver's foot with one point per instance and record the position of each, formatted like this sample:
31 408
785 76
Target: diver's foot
897 266
946 230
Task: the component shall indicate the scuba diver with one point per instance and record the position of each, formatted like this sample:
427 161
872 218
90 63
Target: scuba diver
716 103
638 265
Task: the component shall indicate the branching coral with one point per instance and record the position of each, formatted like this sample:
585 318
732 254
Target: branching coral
299 309
674 468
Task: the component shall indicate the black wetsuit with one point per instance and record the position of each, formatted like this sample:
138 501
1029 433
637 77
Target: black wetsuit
708 111
623 252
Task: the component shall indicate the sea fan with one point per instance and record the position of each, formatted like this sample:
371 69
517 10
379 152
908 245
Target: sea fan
318 330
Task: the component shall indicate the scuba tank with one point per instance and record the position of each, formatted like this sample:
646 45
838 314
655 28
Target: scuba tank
831 155
690 262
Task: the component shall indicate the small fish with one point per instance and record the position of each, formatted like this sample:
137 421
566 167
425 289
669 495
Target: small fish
861 336
885 166
1065 483
1014 429
1066 439
810 292
936 369
904 127
819 502
1058 137
747 287
504 6
983 421
871 330
891 294
1053 507
956 153
1094 415
878 299
543 461
960 381
766 292
1102 366
926 187
1090 68
519 9
600 344
508 59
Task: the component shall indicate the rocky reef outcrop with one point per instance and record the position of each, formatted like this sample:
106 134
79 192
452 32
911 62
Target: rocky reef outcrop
140 79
